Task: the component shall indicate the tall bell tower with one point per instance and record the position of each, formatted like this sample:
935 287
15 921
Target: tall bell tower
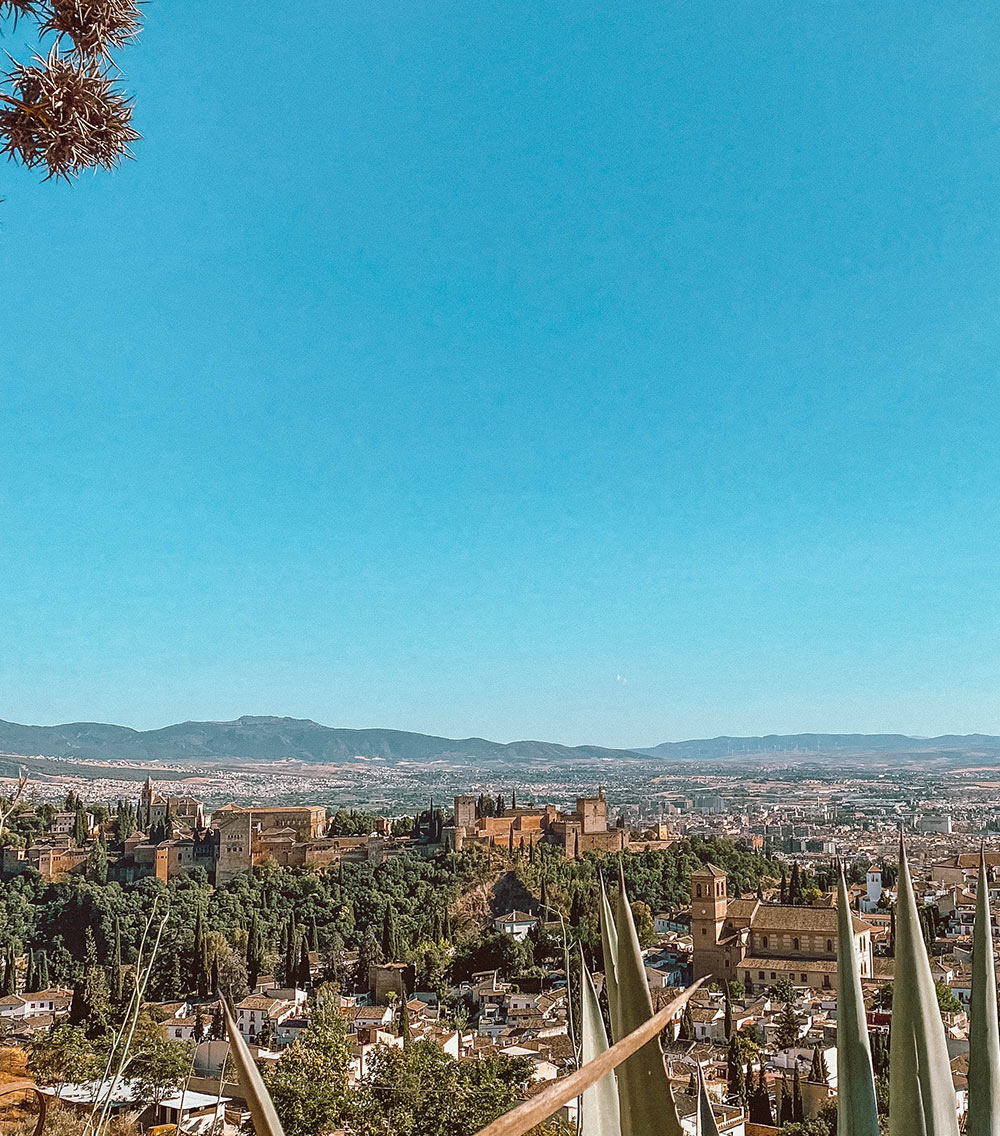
709 903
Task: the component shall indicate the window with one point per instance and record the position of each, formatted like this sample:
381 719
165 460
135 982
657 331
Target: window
760 974
699 891
829 946
704 931
805 977
765 944
727 964
773 975
795 944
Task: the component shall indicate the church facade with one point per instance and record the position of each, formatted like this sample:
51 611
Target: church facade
759 943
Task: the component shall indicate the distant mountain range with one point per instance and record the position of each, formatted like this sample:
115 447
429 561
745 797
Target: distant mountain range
266 739
263 739
807 745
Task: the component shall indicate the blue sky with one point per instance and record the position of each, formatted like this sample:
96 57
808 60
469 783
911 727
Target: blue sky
595 373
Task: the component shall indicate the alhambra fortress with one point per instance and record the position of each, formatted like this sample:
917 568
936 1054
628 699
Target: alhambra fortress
175 834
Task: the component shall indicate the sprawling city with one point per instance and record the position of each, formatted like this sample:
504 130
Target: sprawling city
447 945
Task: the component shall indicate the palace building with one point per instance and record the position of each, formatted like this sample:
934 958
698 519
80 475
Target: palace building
760 943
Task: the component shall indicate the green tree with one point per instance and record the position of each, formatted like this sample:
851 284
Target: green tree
63 1055
789 1027
91 1005
80 826
308 1083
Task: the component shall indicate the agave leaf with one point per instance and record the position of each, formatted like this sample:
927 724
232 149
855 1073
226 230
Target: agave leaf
609 943
599 1103
556 1093
984 1040
265 1119
857 1112
647 1105
705 1118
922 1102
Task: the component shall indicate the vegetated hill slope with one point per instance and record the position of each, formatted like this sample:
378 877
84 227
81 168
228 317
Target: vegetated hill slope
790 745
274 739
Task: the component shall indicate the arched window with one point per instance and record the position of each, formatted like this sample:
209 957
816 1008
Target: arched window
795 944
699 891
829 946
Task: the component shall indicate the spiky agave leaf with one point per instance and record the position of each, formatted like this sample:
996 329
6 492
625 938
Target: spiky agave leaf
94 27
556 1093
922 1102
65 114
609 944
265 1119
647 1105
705 1118
857 1112
984 1040
599 1103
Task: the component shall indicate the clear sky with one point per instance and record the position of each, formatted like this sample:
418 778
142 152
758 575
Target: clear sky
561 369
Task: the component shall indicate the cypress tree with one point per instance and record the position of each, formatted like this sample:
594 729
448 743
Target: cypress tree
91 1005
728 1022
254 952
818 1073
795 885
501 807
8 984
510 841
304 970
43 970
734 1069
196 970
217 1031
199 1027
404 1021
115 971
314 939
30 978
390 941
80 826
797 1110
764 1099
543 897
291 952
447 924
783 888
785 1113
214 979
177 985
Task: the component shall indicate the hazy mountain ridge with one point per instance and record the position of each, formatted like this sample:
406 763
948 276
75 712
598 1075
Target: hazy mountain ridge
275 739
818 744
270 739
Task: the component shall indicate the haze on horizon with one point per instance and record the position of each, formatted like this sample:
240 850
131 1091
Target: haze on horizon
569 373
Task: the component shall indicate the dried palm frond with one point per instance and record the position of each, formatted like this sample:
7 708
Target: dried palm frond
66 115
17 8
93 26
